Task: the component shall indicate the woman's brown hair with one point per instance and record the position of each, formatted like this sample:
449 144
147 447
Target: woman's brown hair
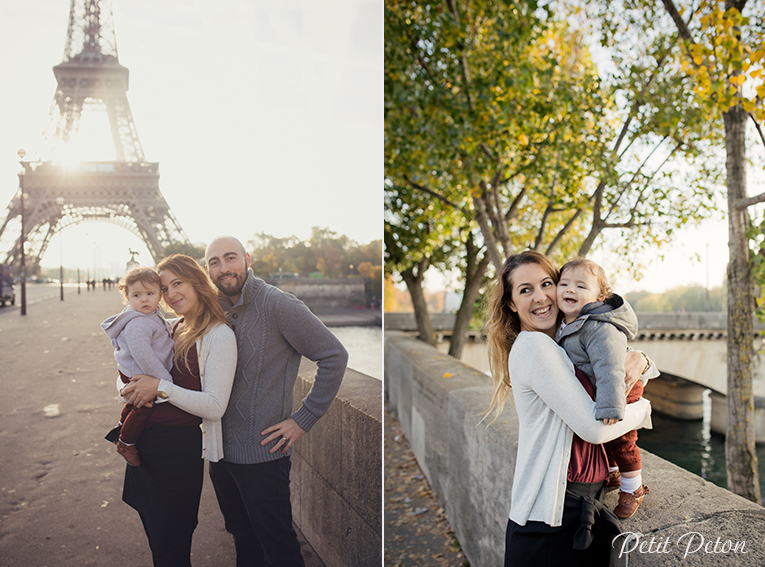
209 313
503 325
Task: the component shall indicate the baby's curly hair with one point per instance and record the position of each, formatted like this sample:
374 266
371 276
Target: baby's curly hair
147 276
594 269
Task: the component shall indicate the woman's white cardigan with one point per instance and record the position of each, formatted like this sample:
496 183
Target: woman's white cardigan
552 405
217 356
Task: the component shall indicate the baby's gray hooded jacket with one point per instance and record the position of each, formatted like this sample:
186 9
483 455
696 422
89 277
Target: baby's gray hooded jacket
596 342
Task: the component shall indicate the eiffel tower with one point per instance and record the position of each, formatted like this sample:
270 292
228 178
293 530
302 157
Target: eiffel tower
124 191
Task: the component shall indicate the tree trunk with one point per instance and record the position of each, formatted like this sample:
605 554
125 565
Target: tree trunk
740 455
422 317
589 241
473 280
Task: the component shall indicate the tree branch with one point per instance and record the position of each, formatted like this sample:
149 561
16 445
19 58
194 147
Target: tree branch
682 28
744 203
515 204
542 225
757 126
487 152
550 206
494 215
615 202
488 235
638 102
436 195
562 232
628 224
463 58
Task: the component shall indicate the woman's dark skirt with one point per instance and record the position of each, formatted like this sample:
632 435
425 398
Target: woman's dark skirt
166 488
541 545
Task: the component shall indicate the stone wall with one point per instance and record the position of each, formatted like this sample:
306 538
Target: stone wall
325 294
439 402
336 473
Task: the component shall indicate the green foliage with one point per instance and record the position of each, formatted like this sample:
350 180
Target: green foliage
497 111
196 251
756 236
726 52
480 99
416 228
335 256
680 299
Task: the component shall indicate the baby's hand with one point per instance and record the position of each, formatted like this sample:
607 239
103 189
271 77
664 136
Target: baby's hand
610 421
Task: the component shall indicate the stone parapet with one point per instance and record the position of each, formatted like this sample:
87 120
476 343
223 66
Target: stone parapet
698 321
336 472
321 294
440 401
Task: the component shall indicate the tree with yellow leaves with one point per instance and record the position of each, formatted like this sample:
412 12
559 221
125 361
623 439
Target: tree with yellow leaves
723 51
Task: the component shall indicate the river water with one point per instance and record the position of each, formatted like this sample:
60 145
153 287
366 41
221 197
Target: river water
364 346
693 446
688 444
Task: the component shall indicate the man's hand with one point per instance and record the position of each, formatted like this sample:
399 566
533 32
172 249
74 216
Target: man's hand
609 421
141 391
288 430
634 366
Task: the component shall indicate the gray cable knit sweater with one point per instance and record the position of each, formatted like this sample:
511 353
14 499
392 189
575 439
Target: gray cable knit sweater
273 330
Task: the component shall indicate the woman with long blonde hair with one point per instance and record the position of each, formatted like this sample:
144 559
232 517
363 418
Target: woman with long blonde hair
559 439
166 487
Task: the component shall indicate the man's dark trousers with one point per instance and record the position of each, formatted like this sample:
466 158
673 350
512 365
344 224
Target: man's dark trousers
255 502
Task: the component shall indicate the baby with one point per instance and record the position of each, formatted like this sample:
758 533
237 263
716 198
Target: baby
594 332
143 344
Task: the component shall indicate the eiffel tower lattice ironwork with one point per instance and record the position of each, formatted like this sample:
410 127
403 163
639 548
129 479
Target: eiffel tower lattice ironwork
124 191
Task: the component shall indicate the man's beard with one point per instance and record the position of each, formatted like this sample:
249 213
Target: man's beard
232 289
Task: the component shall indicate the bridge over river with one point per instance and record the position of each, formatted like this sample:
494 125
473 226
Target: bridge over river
690 350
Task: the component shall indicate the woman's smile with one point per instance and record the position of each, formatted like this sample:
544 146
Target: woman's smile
533 298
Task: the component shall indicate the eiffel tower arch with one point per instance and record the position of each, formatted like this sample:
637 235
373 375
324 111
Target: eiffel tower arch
57 194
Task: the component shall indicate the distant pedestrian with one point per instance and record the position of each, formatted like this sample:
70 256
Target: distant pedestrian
559 440
166 488
274 330
143 344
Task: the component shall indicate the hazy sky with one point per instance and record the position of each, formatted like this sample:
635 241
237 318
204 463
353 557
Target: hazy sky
264 116
686 261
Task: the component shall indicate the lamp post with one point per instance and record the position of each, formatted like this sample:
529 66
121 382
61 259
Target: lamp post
60 203
22 154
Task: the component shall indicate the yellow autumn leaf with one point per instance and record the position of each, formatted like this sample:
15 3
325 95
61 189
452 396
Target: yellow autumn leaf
738 80
447 375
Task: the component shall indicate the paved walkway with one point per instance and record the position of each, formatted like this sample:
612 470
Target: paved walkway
60 481
416 530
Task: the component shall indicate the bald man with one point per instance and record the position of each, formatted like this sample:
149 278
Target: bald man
273 331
